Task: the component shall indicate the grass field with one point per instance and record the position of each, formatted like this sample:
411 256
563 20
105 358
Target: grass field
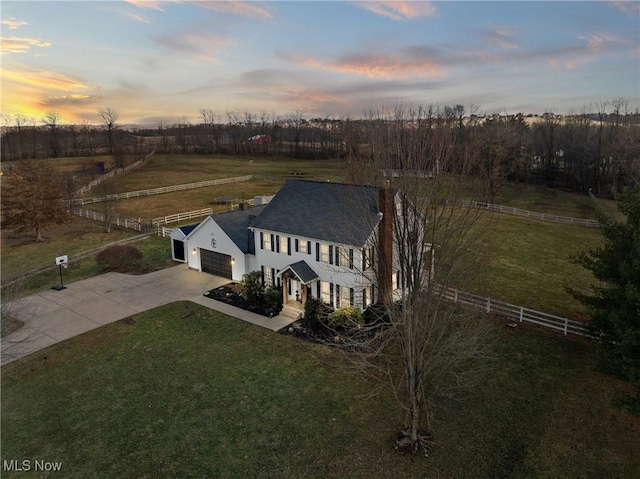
156 255
156 206
21 253
529 264
167 170
182 391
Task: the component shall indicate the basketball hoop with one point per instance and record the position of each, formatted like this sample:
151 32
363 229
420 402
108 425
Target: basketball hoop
61 262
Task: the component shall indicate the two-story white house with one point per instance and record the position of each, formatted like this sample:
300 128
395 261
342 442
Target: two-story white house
315 239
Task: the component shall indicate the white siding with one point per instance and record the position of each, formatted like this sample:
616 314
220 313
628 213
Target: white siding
201 238
338 275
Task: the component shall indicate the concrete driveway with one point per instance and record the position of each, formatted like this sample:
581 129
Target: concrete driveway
53 316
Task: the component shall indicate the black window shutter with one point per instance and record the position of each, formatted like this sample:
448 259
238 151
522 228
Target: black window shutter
277 243
297 245
272 242
318 290
308 247
261 240
364 259
364 297
337 249
262 271
350 258
351 298
331 294
317 251
273 276
288 245
330 254
337 296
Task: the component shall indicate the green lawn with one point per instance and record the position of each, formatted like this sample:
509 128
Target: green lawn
552 201
168 170
530 264
156 206
182 391
156 253
20 253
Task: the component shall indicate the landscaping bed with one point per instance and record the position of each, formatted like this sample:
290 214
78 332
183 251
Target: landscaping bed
230 294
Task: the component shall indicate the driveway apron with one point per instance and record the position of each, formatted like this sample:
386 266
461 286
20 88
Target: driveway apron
53 316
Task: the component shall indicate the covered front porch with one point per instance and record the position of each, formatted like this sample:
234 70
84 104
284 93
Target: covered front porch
296 288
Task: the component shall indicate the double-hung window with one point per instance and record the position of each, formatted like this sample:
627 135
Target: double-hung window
325 292
284 244
268 276
266 241
324 253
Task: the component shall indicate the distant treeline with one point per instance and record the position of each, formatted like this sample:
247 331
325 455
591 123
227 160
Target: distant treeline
598 151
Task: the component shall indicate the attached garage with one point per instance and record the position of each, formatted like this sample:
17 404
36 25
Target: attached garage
178 245
215 263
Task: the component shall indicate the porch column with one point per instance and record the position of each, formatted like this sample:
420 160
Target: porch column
285 292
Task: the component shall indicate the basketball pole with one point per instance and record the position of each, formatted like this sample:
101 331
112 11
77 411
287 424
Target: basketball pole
61 283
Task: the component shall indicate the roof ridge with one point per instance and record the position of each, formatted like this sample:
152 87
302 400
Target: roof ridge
329 182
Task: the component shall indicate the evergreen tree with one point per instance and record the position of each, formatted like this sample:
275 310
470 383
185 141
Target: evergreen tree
615 302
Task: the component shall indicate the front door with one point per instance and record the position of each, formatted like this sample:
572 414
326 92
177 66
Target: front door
294 290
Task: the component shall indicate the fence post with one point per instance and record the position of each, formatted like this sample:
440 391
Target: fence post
566 325
455 296
488 305
521 313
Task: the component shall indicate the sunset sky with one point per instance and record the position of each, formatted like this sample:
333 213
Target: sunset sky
157 61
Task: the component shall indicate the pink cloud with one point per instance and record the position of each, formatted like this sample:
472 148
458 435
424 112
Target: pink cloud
405 63
400 10
237 7
630 7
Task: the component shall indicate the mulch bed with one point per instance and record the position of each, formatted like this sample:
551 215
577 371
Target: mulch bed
228 294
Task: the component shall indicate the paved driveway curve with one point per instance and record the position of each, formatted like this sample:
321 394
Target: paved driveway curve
53 316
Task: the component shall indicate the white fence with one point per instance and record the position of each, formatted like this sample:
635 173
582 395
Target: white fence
111 174
138 225
182 216
157 191
6 283
518 313
532 214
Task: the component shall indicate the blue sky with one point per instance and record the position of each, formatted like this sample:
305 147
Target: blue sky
157 61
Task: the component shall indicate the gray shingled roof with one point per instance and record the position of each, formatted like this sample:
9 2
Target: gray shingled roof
303 271
333 212
236 226
188 229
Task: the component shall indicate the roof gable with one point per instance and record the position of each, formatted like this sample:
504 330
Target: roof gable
235 224
333 212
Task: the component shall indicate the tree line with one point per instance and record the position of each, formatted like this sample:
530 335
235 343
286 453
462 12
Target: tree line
593 150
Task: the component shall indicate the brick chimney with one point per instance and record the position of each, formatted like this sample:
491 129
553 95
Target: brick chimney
244 205
385 245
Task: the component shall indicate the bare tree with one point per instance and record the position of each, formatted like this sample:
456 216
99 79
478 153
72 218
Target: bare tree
87 129
109 204
109 117
423 345
32 198
162 129
51 120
